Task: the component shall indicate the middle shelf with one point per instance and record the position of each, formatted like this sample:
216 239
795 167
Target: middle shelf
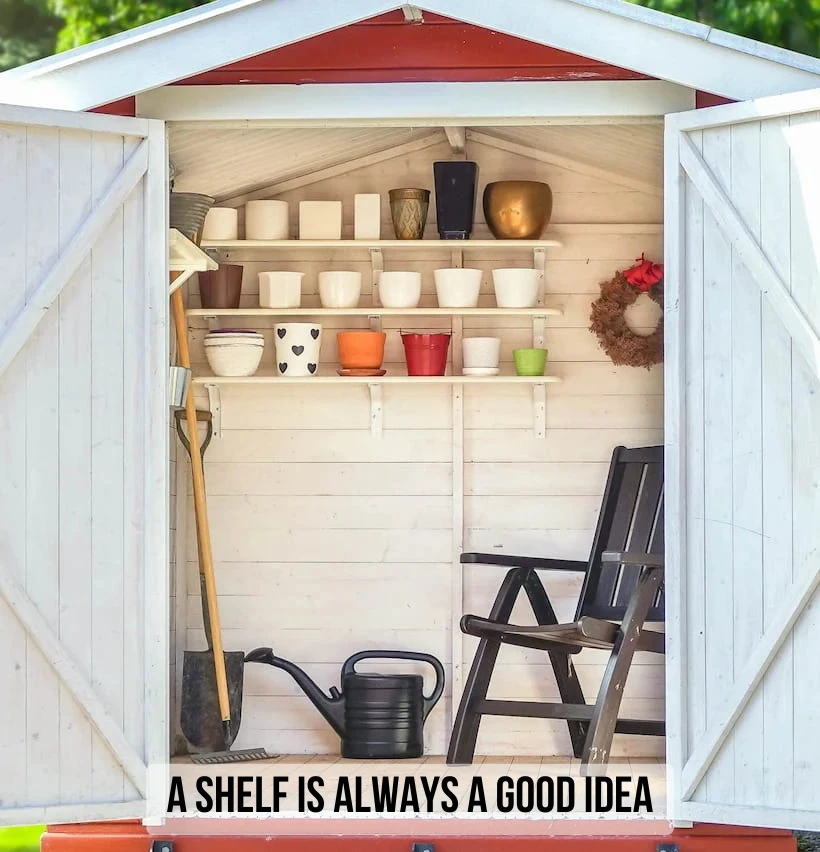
374 311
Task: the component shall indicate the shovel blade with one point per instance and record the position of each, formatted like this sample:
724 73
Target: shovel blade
199 718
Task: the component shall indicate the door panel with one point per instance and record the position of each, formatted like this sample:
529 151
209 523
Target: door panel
743 420
83 368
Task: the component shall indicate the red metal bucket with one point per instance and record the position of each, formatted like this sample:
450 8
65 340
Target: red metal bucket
426 354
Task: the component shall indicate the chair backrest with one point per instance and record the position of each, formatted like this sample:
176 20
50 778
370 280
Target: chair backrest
631 518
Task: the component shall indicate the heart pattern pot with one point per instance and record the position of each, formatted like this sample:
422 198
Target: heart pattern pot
297 348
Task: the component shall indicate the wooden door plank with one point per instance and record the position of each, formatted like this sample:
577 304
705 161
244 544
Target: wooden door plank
71 676
748 249
18 330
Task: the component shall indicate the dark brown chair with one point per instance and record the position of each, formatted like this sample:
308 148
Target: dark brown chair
622 590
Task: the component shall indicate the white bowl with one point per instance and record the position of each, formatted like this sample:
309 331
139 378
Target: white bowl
280 289
340 289
457 288
516 288
234 359
400 289
481 352
233 339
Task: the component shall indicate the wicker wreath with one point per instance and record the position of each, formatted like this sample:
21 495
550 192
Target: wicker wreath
608 320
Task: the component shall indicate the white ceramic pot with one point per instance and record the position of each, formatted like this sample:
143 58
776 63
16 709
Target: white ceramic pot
221 223
234 357
457 288
340 289
481 351
516 288
267 220
297 348
400 289
320 220
280 289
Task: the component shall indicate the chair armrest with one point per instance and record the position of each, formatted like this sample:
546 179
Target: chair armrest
633 557
524 562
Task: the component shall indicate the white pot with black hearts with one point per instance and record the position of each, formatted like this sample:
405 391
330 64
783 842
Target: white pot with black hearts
297 348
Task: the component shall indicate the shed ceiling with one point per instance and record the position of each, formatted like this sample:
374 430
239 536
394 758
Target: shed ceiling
230 163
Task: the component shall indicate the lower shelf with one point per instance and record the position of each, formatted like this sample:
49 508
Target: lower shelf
263 377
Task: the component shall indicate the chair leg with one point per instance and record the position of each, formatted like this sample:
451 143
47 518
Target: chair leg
569 687
605 716
465 729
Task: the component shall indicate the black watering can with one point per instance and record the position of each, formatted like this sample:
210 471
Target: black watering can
377 716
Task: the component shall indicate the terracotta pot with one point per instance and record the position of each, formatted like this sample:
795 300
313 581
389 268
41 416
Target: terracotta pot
222 287
361 350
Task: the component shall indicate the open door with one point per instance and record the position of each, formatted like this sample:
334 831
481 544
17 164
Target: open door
83 464
743 462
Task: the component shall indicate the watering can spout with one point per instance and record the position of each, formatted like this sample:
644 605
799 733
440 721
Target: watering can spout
330 706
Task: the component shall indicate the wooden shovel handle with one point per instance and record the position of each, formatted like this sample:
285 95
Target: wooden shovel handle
201 512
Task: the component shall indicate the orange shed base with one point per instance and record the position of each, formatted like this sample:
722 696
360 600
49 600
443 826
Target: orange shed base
133 837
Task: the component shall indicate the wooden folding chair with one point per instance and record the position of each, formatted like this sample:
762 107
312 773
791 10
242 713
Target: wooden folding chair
622 590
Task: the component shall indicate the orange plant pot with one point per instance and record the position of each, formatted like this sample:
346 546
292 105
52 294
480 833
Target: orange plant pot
361 350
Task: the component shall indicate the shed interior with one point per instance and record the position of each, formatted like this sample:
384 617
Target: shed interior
331 535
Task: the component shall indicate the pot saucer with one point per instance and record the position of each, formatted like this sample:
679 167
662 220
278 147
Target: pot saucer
360 372
480 371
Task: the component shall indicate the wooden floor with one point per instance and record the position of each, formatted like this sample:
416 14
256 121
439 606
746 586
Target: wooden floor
336 777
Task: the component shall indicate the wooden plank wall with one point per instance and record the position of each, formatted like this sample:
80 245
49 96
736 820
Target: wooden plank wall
328 541
72 493
752 452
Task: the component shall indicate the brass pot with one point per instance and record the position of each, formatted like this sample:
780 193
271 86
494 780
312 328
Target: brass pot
517 209
408 208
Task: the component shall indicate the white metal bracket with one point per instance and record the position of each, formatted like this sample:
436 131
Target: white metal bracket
376 409
215 406
375 322
457 258
539 410
376 269
539 262
538 331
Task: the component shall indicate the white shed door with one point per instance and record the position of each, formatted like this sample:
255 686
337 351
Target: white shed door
743 462
83 449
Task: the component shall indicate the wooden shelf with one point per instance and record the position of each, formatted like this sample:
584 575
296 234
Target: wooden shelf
185 256
263 377
375 310
420 245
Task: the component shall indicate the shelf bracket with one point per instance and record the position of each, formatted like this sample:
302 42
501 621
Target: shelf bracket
376 269
215 406
457 258
375 322
539 410
539 262
538 331
376 409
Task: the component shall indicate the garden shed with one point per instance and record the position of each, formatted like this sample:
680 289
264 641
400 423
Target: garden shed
340 505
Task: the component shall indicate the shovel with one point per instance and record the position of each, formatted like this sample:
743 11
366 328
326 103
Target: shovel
200 715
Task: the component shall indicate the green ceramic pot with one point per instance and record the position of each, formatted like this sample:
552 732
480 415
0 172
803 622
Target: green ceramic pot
530 362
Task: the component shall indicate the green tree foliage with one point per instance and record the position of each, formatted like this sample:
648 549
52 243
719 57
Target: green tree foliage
794 24
28 30
89 20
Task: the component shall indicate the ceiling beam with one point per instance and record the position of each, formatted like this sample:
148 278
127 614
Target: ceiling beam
457 137
412 14
573 164
299 181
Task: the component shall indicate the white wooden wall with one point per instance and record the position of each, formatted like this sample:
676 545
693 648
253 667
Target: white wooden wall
746 427
328 541
79 455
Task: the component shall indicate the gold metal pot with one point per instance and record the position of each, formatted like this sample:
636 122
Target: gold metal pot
517 209
408 208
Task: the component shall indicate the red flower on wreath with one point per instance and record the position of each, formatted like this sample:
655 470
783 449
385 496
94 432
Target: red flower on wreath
645 275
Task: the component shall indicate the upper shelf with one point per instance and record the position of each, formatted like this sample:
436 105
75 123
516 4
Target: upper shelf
374 311
421 245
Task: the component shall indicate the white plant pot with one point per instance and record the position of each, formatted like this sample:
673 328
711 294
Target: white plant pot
516 288
234 358
320 220
267 220
457 288
221 223
280 289
340 289
481 351
400 289
297 348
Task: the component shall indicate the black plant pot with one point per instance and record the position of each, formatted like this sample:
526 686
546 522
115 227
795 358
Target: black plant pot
455 182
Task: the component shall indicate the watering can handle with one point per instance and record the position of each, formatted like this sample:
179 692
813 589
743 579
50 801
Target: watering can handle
349 667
